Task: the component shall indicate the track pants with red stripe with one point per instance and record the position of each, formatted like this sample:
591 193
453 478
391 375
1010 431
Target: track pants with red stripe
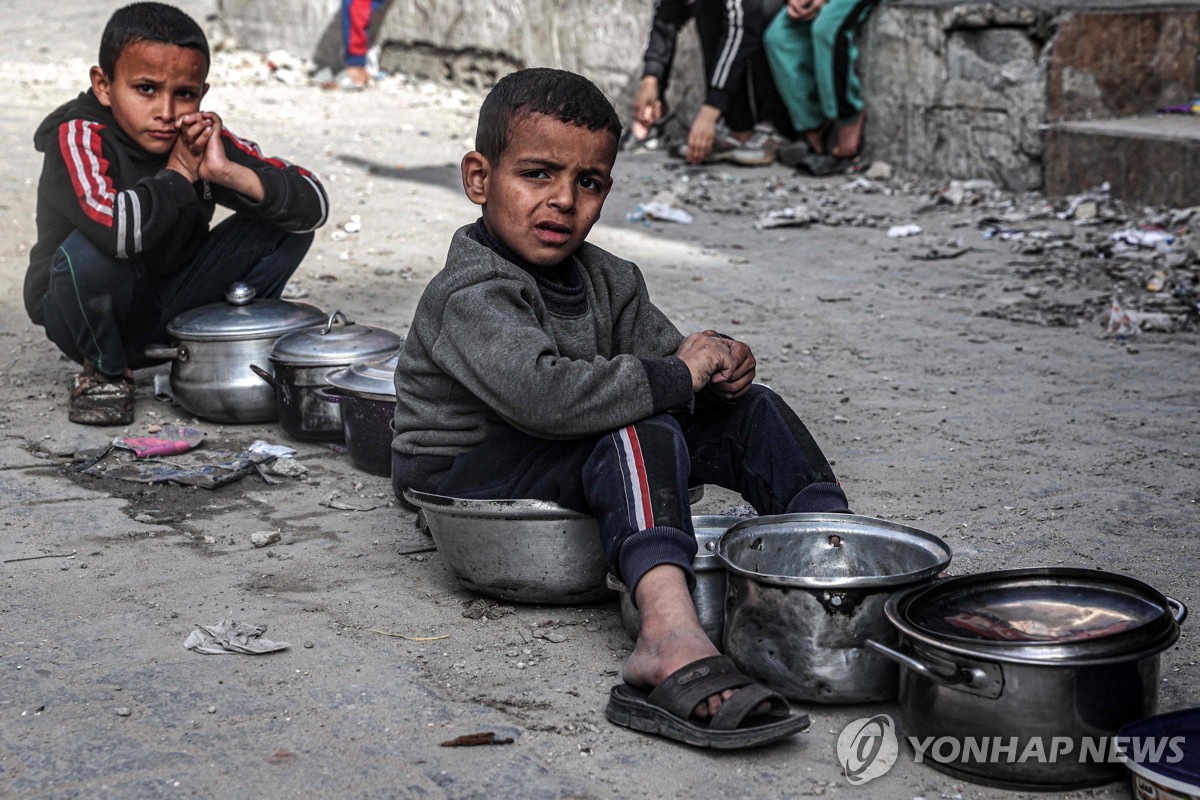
635 480
106 310
356 27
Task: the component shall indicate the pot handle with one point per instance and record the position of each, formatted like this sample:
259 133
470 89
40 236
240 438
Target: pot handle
282 388
164 351
1178 610
330 397
332 317
975 680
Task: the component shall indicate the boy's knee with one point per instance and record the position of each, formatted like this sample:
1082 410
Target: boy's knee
85 266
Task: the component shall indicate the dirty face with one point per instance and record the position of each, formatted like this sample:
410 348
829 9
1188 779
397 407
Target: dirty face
152 86
547 189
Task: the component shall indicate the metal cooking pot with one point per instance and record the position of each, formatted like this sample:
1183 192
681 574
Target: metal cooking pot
709 595
302 360
1027 654
213 347
805 592
366 395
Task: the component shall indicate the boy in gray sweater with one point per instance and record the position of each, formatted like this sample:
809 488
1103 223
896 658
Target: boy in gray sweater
537 367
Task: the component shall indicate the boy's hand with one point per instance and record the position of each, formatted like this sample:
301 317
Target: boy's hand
734 382
804 10
703 134
214 165
704 355
186 156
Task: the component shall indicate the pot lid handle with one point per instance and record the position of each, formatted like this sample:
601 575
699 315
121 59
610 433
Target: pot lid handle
240 294
332 317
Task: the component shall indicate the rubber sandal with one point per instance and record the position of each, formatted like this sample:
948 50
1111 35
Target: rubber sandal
667 710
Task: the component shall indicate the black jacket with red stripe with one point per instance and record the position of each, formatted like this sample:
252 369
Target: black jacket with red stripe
97 180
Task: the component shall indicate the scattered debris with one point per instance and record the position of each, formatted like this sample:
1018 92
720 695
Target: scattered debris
231 636
35 558
170 440
334 502
482 608
659 212
408 638
793 216
903 231
476 739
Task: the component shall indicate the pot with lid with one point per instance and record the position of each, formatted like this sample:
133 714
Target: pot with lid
214 345
301 361
1025 658
366 395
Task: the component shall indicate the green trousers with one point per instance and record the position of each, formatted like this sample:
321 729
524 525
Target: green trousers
813 62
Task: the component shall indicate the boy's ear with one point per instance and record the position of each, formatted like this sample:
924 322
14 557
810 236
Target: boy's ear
475 173
101 86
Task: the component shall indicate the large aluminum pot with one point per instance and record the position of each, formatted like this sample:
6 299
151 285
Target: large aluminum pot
806 591
302 361
213 347
1019 659
709 594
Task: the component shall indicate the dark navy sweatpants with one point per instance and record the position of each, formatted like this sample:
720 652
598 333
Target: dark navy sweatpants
635 480
106 310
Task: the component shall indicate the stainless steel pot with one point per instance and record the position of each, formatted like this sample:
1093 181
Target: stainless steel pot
709 595
302 360
806 591
1018 655
213 347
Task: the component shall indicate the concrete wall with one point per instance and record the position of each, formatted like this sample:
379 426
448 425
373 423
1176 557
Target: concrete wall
955 88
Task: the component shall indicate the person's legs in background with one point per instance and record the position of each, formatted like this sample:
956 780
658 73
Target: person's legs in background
356 27
789 49
835 56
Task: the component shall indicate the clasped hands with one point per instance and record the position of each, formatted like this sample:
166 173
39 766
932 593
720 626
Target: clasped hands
198 153
726 365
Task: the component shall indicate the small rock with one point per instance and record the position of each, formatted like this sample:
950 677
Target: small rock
264 538
123 711
556 637
878 171
211 709
308 645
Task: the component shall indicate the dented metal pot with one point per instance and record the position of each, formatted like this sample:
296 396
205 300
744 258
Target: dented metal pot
805 592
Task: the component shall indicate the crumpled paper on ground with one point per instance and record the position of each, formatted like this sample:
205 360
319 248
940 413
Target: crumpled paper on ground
231 636
171 440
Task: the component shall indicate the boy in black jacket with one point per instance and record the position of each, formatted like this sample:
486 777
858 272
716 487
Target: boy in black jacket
132 171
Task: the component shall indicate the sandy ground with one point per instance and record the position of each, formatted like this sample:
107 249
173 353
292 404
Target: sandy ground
1020 444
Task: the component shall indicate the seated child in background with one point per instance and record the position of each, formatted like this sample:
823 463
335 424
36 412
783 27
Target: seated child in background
131 174
537 367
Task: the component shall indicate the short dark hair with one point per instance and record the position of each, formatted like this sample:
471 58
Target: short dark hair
558 94
148 22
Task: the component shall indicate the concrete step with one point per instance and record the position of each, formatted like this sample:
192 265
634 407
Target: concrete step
1151 160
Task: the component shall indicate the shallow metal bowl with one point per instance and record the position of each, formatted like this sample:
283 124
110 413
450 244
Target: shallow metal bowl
522 551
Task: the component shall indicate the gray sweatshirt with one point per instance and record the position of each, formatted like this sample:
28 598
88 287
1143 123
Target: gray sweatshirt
483 350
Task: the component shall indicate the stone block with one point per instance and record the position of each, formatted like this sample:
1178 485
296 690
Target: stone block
1147 160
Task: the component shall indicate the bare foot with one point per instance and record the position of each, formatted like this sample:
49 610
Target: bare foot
849 137
816 138
671 636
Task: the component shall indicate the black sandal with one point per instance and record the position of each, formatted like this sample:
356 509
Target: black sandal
667 710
